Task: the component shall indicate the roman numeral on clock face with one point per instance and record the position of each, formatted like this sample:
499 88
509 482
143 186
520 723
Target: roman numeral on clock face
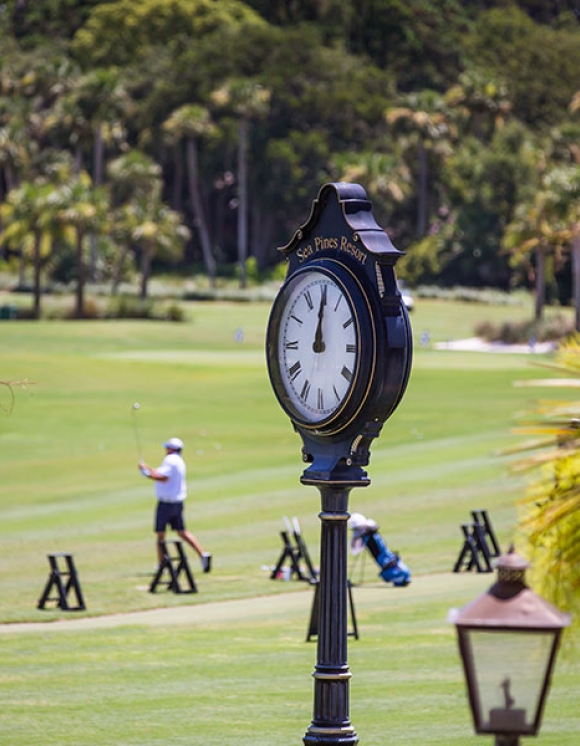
295 370
305 390
346 373
294 345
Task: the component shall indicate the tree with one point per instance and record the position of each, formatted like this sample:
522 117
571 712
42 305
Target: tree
564 186
428 125
134 179
481 184
155 229
248 100
386 178
484 100
30 222
534 232
92 114
538 63
119 33
193 123
82 208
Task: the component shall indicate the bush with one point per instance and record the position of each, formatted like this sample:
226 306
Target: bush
174 312
521 332
124 307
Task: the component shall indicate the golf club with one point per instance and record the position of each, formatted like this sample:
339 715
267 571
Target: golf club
134 409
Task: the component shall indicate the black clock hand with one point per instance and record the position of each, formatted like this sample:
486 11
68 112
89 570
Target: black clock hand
319 345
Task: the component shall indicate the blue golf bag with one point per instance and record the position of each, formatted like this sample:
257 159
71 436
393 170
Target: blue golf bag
366 535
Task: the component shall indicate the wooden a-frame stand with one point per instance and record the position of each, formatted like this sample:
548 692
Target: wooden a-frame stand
315 613
480 545
174 566
295 552
63 580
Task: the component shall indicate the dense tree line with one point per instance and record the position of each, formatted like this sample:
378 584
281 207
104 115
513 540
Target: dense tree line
198 131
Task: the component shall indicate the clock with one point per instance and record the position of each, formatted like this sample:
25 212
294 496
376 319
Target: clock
338 343
321 346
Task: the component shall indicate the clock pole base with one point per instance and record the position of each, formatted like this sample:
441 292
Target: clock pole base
330 736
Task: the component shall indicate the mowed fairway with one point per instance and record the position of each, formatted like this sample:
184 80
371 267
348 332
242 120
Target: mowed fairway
231 662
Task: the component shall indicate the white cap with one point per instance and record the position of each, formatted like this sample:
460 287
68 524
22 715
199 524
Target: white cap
174 443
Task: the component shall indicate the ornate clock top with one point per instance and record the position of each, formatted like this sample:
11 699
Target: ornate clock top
339 338
347 203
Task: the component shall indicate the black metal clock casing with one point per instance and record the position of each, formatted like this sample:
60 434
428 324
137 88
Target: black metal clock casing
339 342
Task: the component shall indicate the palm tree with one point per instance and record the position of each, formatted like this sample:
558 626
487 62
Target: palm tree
385 177
534 231
426 123
564 186
133 178
29 221
93 112
484 101
192 123
247 100
83 208
155 229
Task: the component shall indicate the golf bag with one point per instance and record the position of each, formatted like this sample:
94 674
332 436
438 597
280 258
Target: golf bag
366 536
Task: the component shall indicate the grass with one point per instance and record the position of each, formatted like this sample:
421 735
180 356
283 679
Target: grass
238 667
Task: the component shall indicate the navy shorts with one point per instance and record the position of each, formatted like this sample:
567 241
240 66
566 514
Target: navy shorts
169 514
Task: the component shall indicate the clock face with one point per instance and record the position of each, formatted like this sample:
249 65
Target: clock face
315 346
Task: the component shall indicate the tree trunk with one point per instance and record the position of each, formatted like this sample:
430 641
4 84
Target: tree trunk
576 279
177 186
145 271
540 283
81 276
119 270
262 232
243 200
21 269
422 198
78 160
98 160
198 212
36 260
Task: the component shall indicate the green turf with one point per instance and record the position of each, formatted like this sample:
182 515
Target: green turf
70 483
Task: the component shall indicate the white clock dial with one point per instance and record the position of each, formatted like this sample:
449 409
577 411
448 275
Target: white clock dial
318 346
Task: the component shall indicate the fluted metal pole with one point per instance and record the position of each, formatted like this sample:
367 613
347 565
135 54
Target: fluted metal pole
331 724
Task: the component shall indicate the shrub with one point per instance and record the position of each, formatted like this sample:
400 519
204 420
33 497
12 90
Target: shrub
174 312
124 307
521 332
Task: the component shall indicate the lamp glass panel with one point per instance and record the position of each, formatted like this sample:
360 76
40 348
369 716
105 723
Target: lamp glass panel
510 669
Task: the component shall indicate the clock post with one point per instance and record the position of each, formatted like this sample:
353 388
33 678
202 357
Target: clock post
339 350
330 722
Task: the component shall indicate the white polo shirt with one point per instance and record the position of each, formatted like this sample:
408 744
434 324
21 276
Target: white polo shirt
174 490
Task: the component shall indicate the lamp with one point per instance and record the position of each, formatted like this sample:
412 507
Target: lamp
508 639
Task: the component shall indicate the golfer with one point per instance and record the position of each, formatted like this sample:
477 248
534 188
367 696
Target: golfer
171 491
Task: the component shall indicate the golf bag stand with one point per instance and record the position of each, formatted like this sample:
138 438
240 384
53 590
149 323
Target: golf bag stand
393 569
366 535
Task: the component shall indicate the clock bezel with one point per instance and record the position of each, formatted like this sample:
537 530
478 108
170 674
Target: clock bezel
366 341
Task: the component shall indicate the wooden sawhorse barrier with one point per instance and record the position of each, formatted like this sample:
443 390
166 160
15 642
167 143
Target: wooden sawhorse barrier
480 545
315 613
64 580
174 565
